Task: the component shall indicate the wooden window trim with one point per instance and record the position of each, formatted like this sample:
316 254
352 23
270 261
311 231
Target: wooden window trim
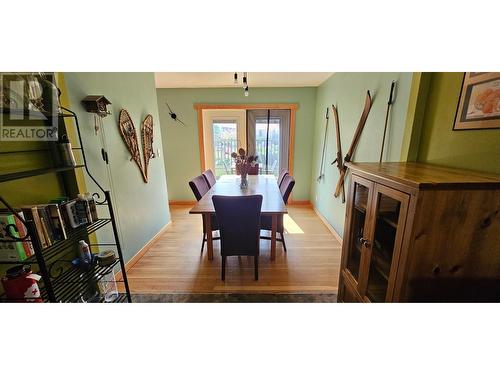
199 107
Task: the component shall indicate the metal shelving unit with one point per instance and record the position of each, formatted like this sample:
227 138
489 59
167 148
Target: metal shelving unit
62 282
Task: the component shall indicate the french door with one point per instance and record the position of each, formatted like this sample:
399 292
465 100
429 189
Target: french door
224 133
268 136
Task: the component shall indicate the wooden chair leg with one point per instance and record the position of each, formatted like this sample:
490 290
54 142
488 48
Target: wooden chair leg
283 241
256 267
223 277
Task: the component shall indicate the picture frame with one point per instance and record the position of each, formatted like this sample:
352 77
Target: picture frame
479 104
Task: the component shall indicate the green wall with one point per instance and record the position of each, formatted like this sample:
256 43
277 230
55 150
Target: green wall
141 209
347 91
182 156
439 144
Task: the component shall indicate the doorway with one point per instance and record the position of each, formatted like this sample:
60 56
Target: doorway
224 132
265 130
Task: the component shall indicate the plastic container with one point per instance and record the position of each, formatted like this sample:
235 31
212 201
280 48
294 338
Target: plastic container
84 251
67 156
107 287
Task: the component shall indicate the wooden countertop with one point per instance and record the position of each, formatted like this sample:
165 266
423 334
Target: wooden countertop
426 176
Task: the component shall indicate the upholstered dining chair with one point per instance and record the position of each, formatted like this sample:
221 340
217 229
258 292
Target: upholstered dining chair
281 176
266 221
239 227
209 177
200 187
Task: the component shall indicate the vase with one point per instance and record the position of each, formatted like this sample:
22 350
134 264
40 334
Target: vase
244 181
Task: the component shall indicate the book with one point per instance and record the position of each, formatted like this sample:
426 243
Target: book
10 250
23 231
59 231
31 213
46 221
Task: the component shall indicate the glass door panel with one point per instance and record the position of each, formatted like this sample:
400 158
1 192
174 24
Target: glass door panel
268 144
390 216
225 141
360 199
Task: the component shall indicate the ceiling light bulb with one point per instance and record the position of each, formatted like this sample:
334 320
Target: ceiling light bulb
235 78
246 91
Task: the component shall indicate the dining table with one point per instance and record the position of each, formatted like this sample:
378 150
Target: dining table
229 185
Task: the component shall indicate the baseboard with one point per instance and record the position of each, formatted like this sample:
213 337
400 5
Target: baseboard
328 225
300 203
182 203
143 251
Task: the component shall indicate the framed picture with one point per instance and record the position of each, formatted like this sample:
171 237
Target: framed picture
479 104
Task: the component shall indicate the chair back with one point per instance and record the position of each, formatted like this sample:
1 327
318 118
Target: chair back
281 176
209 177
286 187
254 170
239 223
199 186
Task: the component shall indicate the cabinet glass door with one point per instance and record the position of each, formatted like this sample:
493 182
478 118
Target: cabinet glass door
359 199
385 243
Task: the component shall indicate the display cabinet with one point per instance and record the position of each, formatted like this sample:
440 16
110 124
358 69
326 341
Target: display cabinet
417 232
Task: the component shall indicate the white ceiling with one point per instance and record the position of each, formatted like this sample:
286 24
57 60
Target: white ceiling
278 79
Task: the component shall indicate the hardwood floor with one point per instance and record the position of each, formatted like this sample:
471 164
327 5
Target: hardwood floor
174 263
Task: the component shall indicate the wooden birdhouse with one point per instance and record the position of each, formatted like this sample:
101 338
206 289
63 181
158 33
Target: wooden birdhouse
96 104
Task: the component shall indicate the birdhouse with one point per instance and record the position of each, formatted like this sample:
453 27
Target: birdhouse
96 104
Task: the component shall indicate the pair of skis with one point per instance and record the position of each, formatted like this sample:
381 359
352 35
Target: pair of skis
357 134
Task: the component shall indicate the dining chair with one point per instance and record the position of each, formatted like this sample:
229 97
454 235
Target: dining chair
239 227
209 177
281 176
266 221
200 187
254 170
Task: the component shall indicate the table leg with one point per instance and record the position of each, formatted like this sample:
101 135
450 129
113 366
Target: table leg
210 243
274 227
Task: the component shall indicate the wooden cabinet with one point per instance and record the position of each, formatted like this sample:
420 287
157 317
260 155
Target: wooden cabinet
417 232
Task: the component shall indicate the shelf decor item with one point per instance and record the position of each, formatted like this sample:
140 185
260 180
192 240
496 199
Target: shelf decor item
479 104
244 163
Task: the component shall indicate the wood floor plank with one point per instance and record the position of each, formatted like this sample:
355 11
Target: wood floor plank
174 263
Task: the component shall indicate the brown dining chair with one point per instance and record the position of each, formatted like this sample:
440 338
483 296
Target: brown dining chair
266 220
281 176
239 227
200 187
209 177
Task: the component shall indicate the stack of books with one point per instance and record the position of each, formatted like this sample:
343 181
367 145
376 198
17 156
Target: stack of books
51 221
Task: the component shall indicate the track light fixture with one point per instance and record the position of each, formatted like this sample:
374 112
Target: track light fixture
245 82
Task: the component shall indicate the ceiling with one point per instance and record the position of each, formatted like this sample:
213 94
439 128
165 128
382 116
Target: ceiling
219 79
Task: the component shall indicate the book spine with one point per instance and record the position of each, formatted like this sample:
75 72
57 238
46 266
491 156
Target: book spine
19 245
38 225
23 231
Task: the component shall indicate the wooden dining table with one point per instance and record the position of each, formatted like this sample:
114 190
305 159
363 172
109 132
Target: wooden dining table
229 185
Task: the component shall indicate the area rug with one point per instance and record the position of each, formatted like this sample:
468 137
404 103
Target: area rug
235 297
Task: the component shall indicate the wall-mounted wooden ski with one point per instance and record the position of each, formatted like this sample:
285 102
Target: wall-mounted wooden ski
355 140
339 160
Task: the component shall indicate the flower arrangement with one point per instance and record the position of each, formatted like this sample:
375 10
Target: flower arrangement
243 164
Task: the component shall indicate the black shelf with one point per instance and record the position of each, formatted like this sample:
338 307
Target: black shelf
33 115
35 172
59 246
72 283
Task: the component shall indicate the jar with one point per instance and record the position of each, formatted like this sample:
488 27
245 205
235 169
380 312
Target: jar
21 285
